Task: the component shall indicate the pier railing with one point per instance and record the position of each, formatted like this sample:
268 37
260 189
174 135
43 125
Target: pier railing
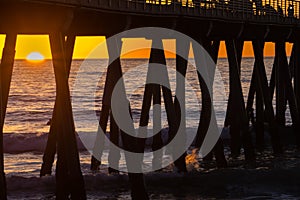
279 11
239 9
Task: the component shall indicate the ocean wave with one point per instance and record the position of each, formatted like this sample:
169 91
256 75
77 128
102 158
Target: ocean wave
36 142
31 142
230 184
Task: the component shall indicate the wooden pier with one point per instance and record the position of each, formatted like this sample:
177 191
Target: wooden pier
207 22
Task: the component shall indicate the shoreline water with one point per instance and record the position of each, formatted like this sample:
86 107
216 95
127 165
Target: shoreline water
270 178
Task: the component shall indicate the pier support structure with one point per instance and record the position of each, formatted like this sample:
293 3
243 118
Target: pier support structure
6 69
258 120
231 118
296 48
114 74
182 55
262 82
218 151
286 86
157 56
69 179
239 123
280 84
50 151
152 91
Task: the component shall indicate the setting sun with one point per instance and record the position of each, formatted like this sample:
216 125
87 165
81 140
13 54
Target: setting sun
35 57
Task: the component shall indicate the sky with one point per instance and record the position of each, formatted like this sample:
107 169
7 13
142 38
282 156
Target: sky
84 47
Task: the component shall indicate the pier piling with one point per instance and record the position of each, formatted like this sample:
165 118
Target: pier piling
280 86
218 150
234 57
239 119
260 119
114 154
251 95
50 151
157 126
113 74
182 55
158 56
262 81
6 70
288 88
69 180
296 48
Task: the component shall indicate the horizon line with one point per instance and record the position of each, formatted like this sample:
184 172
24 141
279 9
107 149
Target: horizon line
142 58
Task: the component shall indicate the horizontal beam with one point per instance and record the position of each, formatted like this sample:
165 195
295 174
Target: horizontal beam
86 18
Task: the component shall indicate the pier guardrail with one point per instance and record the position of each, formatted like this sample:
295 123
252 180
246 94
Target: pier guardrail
279 11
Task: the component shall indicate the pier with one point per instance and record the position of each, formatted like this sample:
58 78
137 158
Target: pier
208 22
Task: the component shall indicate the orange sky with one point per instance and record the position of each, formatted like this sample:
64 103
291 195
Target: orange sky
84 45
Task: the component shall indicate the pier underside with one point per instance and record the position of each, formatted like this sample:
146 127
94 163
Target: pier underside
39 18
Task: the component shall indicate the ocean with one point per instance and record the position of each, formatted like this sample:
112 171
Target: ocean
30 108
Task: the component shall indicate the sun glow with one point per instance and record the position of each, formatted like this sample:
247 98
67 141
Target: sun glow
35 57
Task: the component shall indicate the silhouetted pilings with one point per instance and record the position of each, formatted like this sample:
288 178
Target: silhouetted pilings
50 151
239 117
280 85
157 126
259 126
130 143
182 54
296 47
6 70
287 88
69 179
218 150
114 74
153 91
62 140
262 82
68 174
